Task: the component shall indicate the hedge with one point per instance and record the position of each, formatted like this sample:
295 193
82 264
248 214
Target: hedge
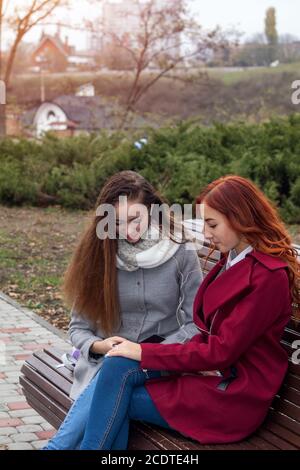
178 160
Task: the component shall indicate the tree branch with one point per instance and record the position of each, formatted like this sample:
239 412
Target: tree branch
36 13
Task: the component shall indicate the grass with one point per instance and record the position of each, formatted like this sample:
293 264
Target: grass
35 247
231 77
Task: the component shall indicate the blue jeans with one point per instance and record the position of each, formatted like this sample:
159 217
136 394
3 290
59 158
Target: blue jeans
99 418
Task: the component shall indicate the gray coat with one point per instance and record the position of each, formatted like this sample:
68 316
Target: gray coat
152 301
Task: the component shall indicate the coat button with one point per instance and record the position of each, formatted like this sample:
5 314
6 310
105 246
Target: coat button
138 283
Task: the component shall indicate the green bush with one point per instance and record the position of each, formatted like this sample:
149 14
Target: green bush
178 160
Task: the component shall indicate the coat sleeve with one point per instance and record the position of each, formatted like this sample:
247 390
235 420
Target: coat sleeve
82 335
190 278
250 318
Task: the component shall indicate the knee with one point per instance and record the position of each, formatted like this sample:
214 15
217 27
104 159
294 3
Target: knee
120 365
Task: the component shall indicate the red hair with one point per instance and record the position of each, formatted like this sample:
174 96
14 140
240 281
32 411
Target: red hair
254 217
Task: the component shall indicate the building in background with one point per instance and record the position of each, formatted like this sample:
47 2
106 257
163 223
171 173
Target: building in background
70 115
121 23
87 89
54 55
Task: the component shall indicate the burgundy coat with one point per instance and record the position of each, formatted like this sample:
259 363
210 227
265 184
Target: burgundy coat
242 315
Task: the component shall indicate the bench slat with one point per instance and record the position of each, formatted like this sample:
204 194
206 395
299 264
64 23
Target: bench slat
285 421
43 411
50 374
189 444
138 441
165 435
43 356
204 251
294 368
51 404
283 433
49 388
244 445
290 394
51 358
275 440
55 354
291 335
154 434
261 444
293 381
287 408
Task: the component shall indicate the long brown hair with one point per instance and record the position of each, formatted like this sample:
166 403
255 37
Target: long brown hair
90 281
254 217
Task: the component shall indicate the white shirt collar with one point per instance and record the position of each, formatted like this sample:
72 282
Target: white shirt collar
233 258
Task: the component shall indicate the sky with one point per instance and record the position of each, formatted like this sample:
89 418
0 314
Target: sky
246 16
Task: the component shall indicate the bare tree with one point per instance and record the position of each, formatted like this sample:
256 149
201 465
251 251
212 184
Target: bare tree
157 36
2 106
1 26
23 20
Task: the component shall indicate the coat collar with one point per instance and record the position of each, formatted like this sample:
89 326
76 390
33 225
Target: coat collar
230 283
270 262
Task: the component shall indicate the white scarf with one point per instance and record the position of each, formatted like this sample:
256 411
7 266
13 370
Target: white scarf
160 252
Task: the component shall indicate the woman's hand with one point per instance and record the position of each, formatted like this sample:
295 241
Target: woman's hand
105 345
126 349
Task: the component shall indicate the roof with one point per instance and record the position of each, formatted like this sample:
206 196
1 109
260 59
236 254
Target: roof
89 113
56 41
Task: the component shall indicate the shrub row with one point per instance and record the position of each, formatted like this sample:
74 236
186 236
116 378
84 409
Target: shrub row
178 160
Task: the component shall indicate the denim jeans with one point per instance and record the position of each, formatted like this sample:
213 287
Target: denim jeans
99 418
71 431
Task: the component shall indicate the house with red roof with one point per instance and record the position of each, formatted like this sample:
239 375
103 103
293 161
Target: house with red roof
54 55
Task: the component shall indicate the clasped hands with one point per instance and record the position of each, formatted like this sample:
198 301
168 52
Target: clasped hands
118 346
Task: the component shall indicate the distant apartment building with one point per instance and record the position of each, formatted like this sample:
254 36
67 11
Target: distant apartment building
122 23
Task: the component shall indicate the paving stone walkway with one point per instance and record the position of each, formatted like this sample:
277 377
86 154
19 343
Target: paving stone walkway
21 333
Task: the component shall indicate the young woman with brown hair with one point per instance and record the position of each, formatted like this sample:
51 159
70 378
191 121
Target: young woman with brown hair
131 285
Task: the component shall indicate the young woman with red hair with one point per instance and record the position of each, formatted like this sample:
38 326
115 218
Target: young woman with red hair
241 310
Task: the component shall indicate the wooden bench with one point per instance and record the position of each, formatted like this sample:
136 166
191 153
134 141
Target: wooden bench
47 389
